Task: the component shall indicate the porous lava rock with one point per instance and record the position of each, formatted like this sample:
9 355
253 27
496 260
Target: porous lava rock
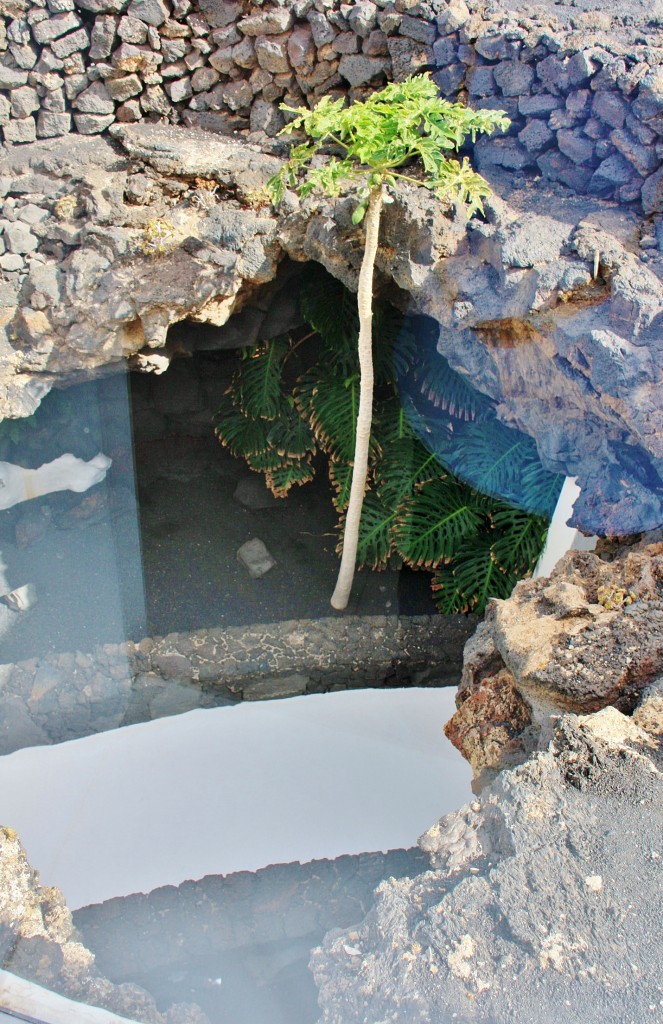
542 899
38 941
556 644
546 305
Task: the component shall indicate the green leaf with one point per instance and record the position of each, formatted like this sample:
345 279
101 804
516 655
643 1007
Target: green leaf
433 522
241 435
340 475
295 474
331 310
267 461
290 434
257 382
504 463
391 423
539 488
446 389
330 404
403 123
394 344
520 540
375 543
491 457
402 467
478 577
446 595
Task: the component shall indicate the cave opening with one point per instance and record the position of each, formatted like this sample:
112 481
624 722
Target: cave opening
199 505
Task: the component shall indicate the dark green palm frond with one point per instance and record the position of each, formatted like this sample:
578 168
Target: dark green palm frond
296 473
241 435
478 577
434 521
394 344
540 488
340 475
446 389
375 543
331 310
267 461
519 539
446 595
503 462
289 433
491 457
391 422
257 381
401 467
330 404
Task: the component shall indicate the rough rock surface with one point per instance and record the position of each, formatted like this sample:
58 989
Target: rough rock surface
543 899
38 941
554 644
279 905
77 693
544 311
581 85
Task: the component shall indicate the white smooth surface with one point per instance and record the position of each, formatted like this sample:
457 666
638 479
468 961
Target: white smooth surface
25 997
231 789
562 538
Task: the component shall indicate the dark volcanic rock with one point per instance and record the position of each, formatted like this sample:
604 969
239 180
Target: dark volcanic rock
543 900
589 636
560 320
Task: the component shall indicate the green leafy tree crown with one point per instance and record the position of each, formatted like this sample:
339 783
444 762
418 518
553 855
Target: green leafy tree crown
403 124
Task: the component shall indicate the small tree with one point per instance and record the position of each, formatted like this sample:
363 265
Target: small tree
405 125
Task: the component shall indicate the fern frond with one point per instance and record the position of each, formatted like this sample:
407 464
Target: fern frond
520 539
340 475
257 381
375 543
433 522
296 473
242 436
401 467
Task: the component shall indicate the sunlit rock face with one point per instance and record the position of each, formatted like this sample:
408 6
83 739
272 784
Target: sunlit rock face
547 305
588 637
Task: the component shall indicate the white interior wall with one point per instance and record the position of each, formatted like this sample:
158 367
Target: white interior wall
230 789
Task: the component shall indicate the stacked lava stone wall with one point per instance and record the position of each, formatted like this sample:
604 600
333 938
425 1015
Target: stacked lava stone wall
585 98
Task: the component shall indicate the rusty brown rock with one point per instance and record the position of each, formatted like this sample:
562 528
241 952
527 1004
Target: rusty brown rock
554 646
489 728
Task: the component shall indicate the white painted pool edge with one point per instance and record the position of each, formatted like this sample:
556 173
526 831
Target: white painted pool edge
22 996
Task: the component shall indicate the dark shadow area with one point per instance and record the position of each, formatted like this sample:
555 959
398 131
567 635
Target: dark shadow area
199 505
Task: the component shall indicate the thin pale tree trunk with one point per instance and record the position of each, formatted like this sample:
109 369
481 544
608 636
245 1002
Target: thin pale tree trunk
346 572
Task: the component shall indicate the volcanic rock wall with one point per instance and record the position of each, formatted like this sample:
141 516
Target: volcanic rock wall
584 89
